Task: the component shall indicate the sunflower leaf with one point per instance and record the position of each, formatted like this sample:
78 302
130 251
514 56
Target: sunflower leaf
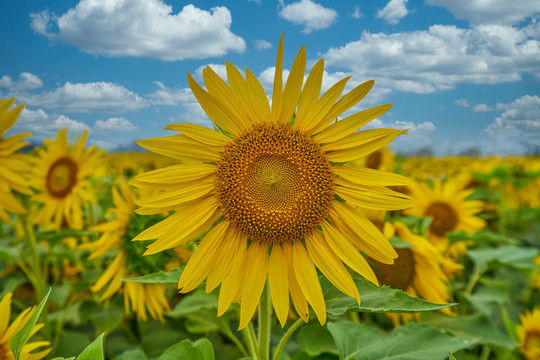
160 277
94 351
373 299
412 341
520 258
17 342
186 350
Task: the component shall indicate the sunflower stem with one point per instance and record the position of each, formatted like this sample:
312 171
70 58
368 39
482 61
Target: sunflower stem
286 337
265 314
251 341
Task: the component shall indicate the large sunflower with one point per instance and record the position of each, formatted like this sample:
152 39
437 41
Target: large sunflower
446 203
419 270
127 263
275 182
61 174
529 334
7 332
11 164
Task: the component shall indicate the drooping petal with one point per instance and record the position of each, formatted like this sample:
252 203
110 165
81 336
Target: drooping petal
231 287
278 281
298 298
254 281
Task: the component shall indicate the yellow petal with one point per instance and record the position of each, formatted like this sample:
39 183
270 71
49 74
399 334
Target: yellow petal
347 252
365 176
350 124
200 133
358 138
330 264
257 97
277 93
310 95
232 285
173 199
298 298
306 274
373 200
345 103
223 264
5 310
364 149
278 277
174 175
293 87
256 271
240 92
180 147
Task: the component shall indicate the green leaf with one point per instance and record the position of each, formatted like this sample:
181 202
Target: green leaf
450 356
72 343
20 339
136 354
482 236
520 258
187 350
473 327
398 243
94 351
408 342
160 277
194 302
315 340
373 299
106 319
486 299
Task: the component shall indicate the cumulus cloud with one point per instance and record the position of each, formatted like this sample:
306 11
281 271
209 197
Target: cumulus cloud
142 28
357 14
439 58
168 96
516 130
418 135
394 11
44 125
311 15
115 124
262 45
87 97
490 11
26 81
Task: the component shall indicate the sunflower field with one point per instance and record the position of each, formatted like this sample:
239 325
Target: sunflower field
282 233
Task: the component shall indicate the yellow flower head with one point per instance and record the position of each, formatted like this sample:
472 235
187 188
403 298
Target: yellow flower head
142 298
446 203
419 270
11 164
61 174
529 334
7 331
272 190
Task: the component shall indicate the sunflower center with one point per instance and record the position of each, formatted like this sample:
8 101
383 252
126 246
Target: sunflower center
62 177
400 274
444 218
274 184
5 352
532 340
374 160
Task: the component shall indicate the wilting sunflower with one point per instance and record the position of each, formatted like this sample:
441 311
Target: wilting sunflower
128 261
11 164
7 332
419 270
529 334
61 174
275 182
446 203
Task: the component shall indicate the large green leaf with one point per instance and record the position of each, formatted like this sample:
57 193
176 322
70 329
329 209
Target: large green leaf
160 277
473 327
373 299
194 302
315 340
94 351
187 350
482 236
520 258
136 354
20 339
409 342
486 299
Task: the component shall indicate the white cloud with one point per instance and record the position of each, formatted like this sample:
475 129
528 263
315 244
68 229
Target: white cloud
262 45
418 135
439 58
115 124
490 11
311 15
26 81
516 130
394 11
87 97
167 96
481 108
357 14
44 125
142 28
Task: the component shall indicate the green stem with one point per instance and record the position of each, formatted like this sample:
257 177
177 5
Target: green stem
472 281
226 330
250 339
286 337
30 242
265 314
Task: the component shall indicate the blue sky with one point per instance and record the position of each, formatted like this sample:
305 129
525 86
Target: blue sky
460 73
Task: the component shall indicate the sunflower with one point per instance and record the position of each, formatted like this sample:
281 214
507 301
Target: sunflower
128 262
446 203
7 332
11 164
529 334
382 159
272 191
61 174
419 270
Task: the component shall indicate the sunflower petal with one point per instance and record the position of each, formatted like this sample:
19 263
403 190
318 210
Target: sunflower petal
277 93
201 134
293 87
278 283
370 177
310 94
254 281
364 149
